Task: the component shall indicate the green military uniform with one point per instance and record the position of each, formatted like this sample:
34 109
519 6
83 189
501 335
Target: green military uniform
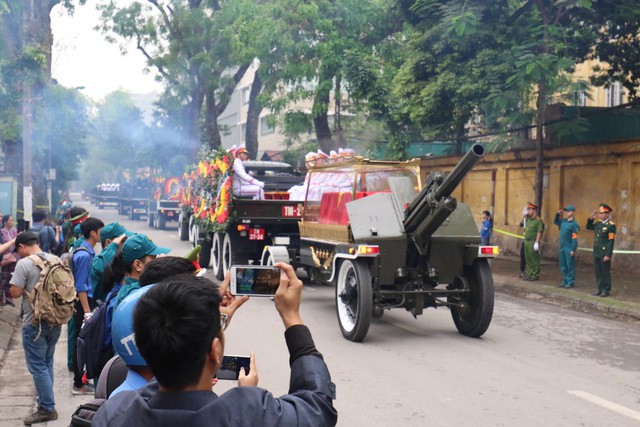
604 237
532 227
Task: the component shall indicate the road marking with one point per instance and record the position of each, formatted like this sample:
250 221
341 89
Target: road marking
606 404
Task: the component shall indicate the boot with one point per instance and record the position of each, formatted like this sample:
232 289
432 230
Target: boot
40 416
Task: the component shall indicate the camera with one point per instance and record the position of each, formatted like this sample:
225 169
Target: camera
254 280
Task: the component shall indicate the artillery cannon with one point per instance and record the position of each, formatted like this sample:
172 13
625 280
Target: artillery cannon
387 245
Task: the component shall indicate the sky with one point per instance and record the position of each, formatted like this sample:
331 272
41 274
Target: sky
82 58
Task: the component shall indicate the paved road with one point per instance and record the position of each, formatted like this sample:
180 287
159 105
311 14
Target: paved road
538 364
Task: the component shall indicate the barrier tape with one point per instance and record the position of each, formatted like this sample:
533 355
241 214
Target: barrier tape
615 251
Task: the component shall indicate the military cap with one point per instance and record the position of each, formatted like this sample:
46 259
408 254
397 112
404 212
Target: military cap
605 208
532 206
570 208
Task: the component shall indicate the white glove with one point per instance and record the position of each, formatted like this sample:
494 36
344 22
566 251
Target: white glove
260 184
536 246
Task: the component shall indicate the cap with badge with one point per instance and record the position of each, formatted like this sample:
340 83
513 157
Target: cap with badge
139 246
113 230
532 206
241 149
192 256
604 208
570 208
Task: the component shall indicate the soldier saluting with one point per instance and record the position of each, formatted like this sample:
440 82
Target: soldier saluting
604 237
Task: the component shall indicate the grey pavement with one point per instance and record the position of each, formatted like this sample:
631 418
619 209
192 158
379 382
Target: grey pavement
17 392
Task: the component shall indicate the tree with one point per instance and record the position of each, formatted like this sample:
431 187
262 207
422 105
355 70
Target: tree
187 44
515 54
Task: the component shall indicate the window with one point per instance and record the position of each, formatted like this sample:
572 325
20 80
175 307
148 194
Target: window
265 128
245 93
243 132
614 94
580 98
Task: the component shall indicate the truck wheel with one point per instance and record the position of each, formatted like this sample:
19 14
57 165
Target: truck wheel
205 253
162 222
229 255
216 256
354 299
150 220
183 229
473 311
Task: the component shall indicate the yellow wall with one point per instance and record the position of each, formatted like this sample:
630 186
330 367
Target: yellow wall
583 176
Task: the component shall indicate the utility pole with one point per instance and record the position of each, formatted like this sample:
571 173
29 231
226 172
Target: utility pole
27 190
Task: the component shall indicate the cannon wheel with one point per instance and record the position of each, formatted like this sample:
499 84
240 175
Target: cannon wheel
216 256
474 317
354 299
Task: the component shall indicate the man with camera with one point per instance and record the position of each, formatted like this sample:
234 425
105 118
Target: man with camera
178 331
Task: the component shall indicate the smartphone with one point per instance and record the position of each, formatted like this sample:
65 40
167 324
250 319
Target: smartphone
254 280
231 365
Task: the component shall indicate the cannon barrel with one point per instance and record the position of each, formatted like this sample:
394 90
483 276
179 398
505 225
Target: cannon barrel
430 199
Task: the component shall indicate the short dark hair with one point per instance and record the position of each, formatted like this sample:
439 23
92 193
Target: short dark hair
161 268
39 215
89 225
175 323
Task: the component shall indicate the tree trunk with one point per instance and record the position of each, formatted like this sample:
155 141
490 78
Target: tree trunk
212 139
253 117
320 111
541 105
192 122
338 131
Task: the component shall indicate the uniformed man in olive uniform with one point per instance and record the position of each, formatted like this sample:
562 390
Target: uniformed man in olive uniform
532 236
569 229
604 237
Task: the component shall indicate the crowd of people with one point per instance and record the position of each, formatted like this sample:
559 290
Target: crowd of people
164 328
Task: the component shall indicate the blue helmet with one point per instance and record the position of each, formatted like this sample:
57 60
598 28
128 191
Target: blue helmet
122 329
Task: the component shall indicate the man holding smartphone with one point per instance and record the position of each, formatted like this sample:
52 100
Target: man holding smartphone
179 333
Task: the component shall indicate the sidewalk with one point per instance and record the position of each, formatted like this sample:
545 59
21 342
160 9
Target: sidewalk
623 302
17 392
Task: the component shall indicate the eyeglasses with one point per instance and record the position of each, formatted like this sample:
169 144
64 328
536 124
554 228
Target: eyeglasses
224 321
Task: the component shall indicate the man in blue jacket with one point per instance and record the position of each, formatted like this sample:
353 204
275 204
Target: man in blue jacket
569 229
178 331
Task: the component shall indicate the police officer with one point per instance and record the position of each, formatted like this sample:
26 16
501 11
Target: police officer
532 236
569 229
604 237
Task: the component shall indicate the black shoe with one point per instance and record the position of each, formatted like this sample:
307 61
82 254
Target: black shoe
604 294
40 416
597 294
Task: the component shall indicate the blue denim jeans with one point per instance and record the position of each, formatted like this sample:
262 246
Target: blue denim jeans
39 356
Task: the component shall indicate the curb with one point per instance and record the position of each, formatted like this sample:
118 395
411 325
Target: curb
9 318
606 306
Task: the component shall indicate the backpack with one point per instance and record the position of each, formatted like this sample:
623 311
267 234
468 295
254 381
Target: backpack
67 257
54 295
91 352
83 415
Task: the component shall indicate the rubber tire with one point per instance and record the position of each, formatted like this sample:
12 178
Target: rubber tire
183 229
150 219
162 222
216 256
229 256
354 314
480 281
205 253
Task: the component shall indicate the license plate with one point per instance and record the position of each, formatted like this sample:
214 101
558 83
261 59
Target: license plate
256 234
139 210
292 211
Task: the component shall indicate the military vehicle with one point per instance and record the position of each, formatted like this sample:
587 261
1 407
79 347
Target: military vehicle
387 241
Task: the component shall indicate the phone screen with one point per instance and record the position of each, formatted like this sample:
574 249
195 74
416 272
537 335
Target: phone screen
252 280
230 367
